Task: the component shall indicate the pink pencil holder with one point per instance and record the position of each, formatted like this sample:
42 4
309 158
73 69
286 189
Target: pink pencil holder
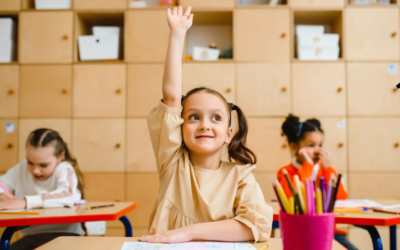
307 232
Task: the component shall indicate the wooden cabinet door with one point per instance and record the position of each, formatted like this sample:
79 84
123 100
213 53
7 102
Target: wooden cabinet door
374 144
9 90
372 33
95 190
263 88
208 4
264 139
45 37
317 3
146 43
99 90
10 5
140 154
319 89
144 88
371 88
217 76
99 144
26 126
262 35
46 91
99 4
8 143
374 186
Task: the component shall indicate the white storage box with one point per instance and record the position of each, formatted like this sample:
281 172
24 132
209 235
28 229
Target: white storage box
205 54
7 29
318 53
318 40
98 47
312 30
106 31
138 4
7 51
52 4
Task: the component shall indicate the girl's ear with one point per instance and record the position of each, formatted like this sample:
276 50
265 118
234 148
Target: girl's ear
229 135
60 158
293 147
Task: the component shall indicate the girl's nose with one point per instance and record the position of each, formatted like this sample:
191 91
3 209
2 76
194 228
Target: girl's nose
204 126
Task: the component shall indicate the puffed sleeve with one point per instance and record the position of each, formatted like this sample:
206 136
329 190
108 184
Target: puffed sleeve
165 128
250 206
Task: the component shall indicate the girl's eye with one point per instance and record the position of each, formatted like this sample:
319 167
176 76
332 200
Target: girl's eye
194 117
216 118
30 163
310 146
43 166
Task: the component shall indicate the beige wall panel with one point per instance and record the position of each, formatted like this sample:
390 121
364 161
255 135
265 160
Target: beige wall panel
8 143
146 43
262 35
224 4
144 88
96 190
372 90
10 5
319 89
99 144
9 90
217 76
142 189
99 4
264 180
360 23
26 126
45 37
140 154
374 186
374 144
264 139
45 91
99 90
263 88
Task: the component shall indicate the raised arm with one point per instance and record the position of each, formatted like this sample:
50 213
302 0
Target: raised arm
178 23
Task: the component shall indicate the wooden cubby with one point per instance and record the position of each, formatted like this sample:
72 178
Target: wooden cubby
332 20
211 27
30 5
259 3
15 17
84 22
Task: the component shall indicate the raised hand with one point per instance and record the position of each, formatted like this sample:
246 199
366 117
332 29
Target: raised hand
178 21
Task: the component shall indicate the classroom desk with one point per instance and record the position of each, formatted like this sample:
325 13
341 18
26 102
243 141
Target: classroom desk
364 221
77 214
116 243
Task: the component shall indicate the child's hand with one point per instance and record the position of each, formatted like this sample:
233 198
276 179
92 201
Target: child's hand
13 204
7 197
325 159
179 22
304 155
183 234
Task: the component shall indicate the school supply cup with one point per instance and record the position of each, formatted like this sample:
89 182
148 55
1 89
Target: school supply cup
307 232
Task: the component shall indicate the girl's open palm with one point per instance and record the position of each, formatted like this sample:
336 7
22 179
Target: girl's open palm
179 21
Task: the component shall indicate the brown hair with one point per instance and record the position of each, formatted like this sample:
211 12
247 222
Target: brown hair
237 149
43 137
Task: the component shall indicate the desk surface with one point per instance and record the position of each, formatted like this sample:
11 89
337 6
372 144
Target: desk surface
68 215
115 243
370 219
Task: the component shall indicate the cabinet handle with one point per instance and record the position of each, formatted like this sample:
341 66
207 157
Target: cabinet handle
394 34
339 89
228 90
284 89
11 92
65 91
119 91
117 200
65 37
283 35
10 145
396 145
118 145
284 145
395 89
340 145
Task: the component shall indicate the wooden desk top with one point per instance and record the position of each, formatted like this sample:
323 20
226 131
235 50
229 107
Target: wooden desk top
116 243
370 219
68 215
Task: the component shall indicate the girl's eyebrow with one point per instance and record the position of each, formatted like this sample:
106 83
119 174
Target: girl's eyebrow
39 163
194 109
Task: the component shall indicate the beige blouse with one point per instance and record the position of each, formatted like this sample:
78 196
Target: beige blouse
190 195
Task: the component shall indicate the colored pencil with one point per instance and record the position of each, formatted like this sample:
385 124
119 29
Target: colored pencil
335 192
300 194
322 185
285 173
291 204
4 187
319 201
277 197
18 212
283 197
328 195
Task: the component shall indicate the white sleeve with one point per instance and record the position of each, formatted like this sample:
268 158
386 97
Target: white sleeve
66 193
10 179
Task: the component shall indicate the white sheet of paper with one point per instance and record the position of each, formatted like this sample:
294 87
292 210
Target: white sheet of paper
356 203
200 245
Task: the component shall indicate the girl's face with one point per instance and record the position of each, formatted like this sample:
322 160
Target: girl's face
41 161
313 142
206 127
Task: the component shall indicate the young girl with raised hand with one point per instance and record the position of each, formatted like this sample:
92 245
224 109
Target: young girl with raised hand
200 196
309 160
49 177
